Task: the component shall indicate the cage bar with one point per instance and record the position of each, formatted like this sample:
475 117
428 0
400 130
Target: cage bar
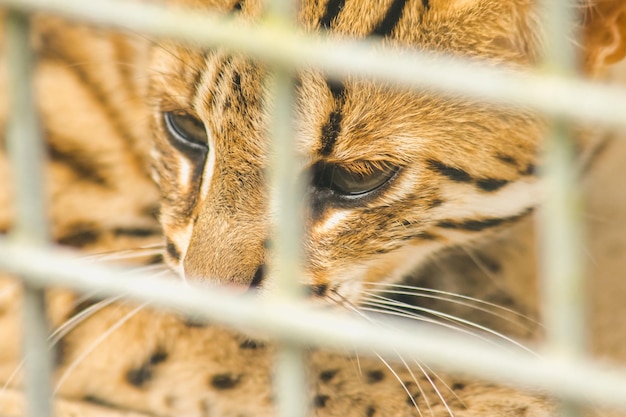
445 350
561 235
286 205
551 94
25 147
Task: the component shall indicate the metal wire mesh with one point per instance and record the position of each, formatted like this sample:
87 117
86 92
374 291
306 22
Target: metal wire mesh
563 372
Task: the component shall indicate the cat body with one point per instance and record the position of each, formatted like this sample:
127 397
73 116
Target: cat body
400 185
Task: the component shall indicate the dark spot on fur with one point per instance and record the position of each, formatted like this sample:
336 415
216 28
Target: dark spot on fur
411 400
370 411
251 344
238 6
151 211
98 401
224 381
426 4
326 376
435 202
139 377
320 401
319 289
455 174
373 377
158 357
491 184
530 170
195 323
156 259
172 250
136 231
507 159
427 236
458 386
80 235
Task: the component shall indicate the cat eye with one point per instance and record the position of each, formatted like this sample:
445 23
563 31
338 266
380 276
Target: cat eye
185 129
347 183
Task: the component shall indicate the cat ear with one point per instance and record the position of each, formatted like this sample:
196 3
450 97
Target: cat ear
604 33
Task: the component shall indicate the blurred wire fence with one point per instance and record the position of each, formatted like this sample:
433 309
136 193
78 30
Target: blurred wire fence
564 372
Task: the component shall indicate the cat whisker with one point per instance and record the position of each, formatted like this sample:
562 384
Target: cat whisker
11 377
352 307
404 387
70 324
125 254
481 265
437 391
419 387
403 289
429 369
62 331
95 344
390 311
395 308
385 303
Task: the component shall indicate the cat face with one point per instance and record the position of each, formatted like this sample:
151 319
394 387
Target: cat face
391 175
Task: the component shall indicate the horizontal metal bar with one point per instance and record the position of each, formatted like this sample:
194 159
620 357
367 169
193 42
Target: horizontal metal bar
284 320
555 96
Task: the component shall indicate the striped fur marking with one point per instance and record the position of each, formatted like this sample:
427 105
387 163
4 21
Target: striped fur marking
85 166
477 225
459 175
333 8
391 19
332 128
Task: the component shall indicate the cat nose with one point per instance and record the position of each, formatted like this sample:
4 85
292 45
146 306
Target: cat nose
257 279
255 284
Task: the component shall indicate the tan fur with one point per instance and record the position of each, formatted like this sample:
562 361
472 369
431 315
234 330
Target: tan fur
462 168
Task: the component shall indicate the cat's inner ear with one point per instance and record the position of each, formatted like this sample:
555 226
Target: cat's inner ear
604 33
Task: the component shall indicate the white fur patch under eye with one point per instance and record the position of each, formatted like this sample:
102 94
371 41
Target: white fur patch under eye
466 202
207 175
185 170
330 222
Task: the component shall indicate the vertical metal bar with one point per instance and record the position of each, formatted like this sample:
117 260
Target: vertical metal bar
25 147
286 239
286 208
562 228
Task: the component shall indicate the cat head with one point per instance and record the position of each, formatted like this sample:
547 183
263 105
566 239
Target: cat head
391 175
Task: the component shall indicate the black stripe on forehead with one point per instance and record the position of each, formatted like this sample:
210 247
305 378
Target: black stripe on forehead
391 19
331 129
333 8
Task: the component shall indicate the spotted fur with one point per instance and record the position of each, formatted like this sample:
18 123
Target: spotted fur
451 215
